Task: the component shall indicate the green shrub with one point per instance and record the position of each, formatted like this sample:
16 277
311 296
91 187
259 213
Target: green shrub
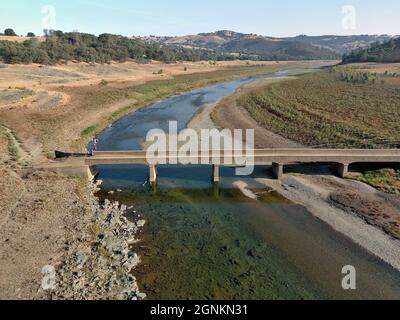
387 180
10 33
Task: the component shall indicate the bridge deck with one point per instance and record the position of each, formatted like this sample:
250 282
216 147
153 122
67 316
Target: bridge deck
278 158
261 157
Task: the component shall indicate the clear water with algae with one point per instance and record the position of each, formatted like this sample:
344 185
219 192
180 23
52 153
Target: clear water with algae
203 241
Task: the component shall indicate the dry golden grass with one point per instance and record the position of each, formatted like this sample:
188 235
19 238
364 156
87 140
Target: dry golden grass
20 39
79 74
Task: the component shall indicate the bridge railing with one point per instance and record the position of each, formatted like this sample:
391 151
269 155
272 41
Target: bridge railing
252 157
259 152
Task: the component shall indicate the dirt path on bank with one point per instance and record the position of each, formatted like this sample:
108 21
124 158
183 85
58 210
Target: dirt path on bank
19 153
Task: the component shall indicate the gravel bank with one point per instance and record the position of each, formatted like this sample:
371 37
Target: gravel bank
102 266
314 193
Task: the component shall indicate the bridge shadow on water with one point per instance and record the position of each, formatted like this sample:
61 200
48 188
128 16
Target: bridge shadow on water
190 177
200 177
365 167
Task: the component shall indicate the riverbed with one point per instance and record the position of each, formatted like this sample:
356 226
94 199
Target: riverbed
203 241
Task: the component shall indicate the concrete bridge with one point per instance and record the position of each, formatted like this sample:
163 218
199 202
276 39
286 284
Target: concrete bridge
341 159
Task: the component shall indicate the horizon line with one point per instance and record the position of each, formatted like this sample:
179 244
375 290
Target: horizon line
211 32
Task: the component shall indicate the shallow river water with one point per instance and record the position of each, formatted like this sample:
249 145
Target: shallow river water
203 241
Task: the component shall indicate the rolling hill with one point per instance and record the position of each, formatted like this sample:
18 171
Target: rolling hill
263 48
296 48
341 44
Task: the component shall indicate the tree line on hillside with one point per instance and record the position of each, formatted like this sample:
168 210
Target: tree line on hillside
11 33
379 52
82 47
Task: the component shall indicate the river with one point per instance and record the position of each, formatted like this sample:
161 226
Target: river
203 241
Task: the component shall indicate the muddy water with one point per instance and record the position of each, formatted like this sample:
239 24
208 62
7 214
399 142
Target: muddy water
208 242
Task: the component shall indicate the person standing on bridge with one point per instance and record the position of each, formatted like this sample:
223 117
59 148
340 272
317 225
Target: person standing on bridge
95 143
94 147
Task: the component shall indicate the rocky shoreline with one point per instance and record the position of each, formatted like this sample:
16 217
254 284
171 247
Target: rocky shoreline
99 265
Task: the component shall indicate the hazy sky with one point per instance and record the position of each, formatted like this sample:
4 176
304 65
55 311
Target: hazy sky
179 17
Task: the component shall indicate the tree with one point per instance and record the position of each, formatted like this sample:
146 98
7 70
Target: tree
31 35
10 32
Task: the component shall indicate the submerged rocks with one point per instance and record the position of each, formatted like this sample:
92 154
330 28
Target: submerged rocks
140 223
131 263
101 268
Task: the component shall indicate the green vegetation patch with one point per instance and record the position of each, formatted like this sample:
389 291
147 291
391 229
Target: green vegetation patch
349 76
89 131
387 180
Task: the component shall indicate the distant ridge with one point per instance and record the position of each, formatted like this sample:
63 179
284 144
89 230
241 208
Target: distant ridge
263 47
222 45
342 44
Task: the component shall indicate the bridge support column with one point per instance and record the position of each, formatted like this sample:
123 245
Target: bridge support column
342 170
215 175
277 169
153 174
91 172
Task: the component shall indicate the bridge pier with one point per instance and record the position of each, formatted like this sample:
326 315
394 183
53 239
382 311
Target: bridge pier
277 169
342 169
215 175
91 173
153 174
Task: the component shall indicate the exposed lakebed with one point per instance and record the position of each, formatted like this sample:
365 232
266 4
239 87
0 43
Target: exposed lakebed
212 242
